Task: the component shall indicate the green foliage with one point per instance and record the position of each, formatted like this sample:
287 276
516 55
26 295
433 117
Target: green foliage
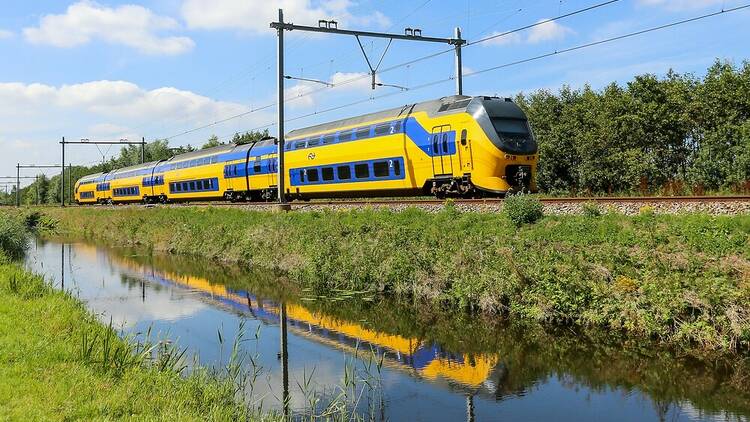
652 135
13 236
213 141
591 209
640 276
523 209
249 137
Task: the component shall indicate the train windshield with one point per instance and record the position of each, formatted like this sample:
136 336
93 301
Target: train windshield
511 128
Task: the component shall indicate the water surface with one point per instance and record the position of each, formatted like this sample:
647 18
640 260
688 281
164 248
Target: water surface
436 366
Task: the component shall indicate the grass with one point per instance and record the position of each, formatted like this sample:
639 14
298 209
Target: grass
59 363
681 280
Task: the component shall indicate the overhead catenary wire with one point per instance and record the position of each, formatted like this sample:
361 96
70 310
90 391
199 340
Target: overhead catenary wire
397 66
522 61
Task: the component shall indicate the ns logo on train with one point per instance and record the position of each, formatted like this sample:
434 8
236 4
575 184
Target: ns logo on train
454 146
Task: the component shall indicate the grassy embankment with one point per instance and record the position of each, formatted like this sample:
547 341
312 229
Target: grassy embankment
681 280
57 362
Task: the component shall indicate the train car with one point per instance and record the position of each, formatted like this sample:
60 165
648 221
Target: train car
453 146
84 190
126 184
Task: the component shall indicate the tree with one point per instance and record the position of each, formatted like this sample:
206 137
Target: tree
213 141
249 137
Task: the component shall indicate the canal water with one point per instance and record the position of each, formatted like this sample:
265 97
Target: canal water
420 365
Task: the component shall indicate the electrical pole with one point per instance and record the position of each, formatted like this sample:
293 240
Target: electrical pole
331 27
280 168
143 149
459 66
62 174
18 184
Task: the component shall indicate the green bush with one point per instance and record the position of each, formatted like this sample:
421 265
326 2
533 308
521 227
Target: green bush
523 209
591 209
13 237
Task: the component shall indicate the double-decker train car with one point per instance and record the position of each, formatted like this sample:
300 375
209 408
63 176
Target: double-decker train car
453 146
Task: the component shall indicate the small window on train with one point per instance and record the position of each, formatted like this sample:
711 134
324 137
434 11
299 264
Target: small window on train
299 144
463 137
383 129
380 169
345 136
192 185
185 186
362 171
397 167
435 148
313 141
445 143
214 159
327 173
328 139
256 167
397 127
363 132
345 172
312 175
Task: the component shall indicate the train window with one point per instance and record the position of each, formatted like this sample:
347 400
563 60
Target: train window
192 185
345 172
363 132
397 167
327 173
435 149
380 169
345 136
445 143
362 171
312 175
397 127
214 159
185 186
383 129
299 144
256 167
463 137
313 141
328 139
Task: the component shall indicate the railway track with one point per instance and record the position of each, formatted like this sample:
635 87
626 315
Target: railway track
487 201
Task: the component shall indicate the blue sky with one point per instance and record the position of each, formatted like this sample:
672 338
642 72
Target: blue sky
126 69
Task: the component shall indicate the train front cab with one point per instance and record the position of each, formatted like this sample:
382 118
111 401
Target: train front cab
475 146
84 191
505 158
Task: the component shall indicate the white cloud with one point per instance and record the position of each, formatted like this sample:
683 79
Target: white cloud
681 5
508 39
301 93
5 34
41 114
255 15
130 25
548 31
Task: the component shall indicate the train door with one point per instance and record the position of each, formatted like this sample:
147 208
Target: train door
464 152
443 148
272 170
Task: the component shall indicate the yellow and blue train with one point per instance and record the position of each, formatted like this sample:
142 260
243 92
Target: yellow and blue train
452 146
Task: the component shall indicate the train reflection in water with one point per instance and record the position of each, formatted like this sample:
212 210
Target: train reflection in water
472 374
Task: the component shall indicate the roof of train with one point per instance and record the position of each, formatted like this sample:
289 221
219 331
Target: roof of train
431 107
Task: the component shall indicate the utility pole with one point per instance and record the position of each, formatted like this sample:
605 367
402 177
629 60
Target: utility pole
37 166
70 183
331 27
280 113
62 174
143 149
459 66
